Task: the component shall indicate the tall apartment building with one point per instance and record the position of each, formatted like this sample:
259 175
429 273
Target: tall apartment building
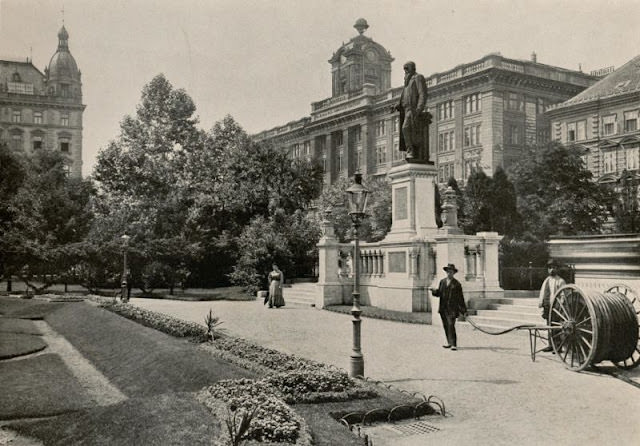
602 123
43 111
484 113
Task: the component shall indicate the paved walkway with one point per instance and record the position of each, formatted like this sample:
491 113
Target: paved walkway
495 394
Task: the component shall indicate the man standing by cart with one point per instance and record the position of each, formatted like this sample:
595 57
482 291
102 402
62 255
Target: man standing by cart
551 284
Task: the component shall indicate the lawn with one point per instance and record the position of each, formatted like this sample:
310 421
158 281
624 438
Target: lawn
158 373
381 313
165 419
38 386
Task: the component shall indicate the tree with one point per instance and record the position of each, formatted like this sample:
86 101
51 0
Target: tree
12 176
50 216
477 203
379 219
627 208
503 205
141 184
556 193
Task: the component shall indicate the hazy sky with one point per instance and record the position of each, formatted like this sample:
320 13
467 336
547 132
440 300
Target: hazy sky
264 62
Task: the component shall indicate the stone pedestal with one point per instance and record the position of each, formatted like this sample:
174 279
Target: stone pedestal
413 202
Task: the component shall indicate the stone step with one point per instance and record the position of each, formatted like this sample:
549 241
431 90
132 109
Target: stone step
506 314
520 294
301 294
528 309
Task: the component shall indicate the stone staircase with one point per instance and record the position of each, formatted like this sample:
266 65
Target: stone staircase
516 308
301 293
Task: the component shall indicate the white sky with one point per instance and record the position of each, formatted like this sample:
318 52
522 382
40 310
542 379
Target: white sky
264 62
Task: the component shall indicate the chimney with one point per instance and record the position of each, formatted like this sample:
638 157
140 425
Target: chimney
534 57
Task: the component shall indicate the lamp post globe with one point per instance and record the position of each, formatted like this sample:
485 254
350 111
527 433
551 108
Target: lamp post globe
357 195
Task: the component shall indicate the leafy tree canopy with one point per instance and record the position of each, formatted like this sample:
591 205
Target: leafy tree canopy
557 194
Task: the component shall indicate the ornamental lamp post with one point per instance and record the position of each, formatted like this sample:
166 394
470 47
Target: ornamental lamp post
357 194
124 285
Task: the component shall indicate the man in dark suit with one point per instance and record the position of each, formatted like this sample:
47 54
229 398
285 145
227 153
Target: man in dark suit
414 118
451 304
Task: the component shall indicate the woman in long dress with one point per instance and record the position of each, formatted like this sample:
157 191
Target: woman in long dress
276 279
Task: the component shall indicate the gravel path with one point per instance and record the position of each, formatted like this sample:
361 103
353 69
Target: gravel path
496 395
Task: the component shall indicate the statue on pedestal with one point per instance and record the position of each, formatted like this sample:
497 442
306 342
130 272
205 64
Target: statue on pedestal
414 118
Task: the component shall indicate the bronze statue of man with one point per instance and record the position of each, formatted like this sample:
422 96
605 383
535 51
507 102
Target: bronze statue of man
414 118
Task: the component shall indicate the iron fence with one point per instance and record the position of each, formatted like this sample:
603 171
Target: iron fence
531 278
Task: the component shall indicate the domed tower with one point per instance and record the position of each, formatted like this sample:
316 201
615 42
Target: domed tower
62 75
360 61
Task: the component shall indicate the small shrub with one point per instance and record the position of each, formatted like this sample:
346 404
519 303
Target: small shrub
211 322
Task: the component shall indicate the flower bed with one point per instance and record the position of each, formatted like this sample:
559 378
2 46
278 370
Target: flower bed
273 420
167 324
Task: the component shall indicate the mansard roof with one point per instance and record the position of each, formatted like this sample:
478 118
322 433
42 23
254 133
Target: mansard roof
624 80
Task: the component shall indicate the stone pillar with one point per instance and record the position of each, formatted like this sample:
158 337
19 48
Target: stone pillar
329 283
413 201
330 150
450 211
347 158
490 272
366 155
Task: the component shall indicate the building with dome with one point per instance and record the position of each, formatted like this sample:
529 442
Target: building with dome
43 111
484 113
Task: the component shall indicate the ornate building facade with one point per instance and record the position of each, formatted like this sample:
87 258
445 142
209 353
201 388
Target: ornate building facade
43 111
484 113
603 123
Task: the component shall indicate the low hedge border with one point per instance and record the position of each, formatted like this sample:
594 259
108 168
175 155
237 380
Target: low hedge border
300 380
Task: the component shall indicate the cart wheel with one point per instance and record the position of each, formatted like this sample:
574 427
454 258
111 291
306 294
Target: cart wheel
574 333
633 360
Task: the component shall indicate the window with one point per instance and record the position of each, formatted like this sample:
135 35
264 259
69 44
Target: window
37 117
571 131
324 160
307 148
65 145
36 143
358 134
543 136
514 102
609 125
65 91
16 116
16 141
339 158
631 121
339 141
472 103
445 110
380 131
633 158
381 154
396 124
445 171
515 134
64 119
471 167
541 106
397 154
608 162
581 130
359 158
472 135
446 141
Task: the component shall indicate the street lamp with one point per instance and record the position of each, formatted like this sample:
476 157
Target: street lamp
125 246
357 194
